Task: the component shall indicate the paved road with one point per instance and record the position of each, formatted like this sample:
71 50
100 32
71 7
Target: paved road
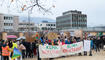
96 56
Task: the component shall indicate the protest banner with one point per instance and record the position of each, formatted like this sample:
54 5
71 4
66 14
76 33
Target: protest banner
79 33
4 36
16 53
49 51
71 49
52 35
93 33
86 45
67 34
104 33
72 34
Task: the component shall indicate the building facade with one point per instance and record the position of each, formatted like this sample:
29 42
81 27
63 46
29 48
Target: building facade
49 26
26 26
71 20
8 23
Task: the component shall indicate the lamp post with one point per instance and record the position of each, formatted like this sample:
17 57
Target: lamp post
28 24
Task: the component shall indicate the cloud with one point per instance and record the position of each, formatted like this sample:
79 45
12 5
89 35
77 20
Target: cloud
94 9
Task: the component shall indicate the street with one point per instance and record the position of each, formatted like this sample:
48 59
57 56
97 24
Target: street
96 56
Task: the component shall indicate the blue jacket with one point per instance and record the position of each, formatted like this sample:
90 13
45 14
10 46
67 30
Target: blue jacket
67 42
91 44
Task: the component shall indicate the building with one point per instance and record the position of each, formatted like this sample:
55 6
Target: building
49 26
26 26
71 20
8 23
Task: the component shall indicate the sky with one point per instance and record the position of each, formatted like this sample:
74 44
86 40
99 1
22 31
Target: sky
95 10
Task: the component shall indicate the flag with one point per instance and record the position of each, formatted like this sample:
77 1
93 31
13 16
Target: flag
16 53
100 34
36 36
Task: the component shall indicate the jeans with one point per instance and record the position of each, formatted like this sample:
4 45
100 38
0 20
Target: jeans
6 57
23 54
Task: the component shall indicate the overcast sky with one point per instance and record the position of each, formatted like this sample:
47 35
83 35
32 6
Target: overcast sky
95 10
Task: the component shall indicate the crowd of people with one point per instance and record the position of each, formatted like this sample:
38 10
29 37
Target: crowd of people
29 49
97 42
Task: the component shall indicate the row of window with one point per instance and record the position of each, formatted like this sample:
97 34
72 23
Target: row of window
50 24
80 25
44 28
23 29
9 30
8 24
25 24
8 18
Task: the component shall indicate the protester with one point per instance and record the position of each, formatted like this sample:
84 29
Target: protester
14 46
22 49
98 42
1 43
6 51
59 43
74 40
91 46
63 42
85 52
67 42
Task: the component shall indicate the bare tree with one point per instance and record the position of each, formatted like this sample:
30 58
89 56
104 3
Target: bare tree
23 5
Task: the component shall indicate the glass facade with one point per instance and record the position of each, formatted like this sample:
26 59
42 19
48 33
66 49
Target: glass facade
71 20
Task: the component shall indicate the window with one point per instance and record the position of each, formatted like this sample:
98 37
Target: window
40 24
48 24
51 24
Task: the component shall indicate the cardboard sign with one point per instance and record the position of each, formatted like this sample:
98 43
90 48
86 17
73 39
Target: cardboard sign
52 35
79 33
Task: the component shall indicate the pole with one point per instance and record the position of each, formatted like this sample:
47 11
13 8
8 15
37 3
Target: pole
29 24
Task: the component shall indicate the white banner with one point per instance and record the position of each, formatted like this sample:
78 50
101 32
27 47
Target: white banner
87 45
49 51
72 49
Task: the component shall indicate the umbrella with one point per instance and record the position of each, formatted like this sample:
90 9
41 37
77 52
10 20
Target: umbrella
21 38
11 36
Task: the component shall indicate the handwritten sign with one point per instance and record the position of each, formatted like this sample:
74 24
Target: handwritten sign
49 51
86 45
72 49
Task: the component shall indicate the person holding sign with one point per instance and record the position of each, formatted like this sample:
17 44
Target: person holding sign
86 46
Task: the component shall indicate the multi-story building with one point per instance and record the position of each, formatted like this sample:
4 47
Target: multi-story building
8 23
49 26
26 26
71 20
